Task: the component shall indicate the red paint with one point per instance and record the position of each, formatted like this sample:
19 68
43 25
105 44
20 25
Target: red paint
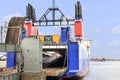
78 29
31 30
28 26
34 31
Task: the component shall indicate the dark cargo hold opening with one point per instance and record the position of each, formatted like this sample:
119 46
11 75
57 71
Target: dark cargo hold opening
58 65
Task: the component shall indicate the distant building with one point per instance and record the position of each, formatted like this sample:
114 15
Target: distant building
98 59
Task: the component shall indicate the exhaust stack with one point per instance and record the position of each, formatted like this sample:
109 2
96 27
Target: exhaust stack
78 10
78 26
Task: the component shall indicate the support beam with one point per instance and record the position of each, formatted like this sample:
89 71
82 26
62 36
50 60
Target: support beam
9 47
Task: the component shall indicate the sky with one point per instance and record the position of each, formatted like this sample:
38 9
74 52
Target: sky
101 20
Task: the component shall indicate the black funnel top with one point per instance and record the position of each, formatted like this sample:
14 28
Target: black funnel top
78 10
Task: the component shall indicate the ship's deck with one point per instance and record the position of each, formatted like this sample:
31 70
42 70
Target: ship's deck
5 71
54 71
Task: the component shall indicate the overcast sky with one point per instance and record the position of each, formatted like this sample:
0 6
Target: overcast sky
101 20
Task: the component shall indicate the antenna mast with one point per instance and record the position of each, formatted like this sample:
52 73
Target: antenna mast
53 3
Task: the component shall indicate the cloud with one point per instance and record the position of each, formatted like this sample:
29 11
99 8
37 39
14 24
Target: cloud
115 43
103 7
96 29
116 30
85 7
9 16
95 44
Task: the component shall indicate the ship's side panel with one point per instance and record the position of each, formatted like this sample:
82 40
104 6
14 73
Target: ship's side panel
63 35
86 53
11 60
73 56
78 60
81 58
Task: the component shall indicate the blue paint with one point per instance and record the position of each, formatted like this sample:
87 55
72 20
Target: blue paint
24 34
65 37
28 19
11 60
68 35
73 56
77 61
78 18
73 59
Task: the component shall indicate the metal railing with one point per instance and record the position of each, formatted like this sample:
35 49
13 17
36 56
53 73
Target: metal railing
14 76
7 42
3 33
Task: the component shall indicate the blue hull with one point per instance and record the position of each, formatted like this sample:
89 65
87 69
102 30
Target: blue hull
78 61
76 75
